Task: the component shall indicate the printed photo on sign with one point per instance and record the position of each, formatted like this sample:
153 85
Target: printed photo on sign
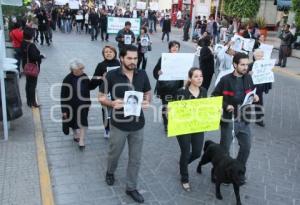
127 39
175 66
133 103
267 50
249 44
218 48
249 98
198 50
144 41
262 71
238 43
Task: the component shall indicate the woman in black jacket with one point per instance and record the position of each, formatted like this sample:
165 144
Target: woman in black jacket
166 90
110 61
75 101
31 54
206 61
192 90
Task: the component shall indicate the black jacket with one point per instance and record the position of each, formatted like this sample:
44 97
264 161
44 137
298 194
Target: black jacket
93 19
103 22
226 88
100 70
34 55
166 28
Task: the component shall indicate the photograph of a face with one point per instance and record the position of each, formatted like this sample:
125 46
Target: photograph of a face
133 103
144 41
127 39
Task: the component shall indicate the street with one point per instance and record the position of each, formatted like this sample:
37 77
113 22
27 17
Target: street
79 177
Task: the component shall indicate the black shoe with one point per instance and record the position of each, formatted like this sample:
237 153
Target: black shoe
283 66
261 124
81 147
110 179
136 196
41 44
278 64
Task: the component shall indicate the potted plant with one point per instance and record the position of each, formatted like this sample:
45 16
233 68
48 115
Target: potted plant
262 26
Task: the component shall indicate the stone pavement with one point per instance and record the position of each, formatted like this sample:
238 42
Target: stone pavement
19 175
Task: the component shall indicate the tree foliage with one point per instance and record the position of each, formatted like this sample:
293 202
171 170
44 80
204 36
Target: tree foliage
296 9
241 8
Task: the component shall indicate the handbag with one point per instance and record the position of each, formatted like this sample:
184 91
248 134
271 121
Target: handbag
31 69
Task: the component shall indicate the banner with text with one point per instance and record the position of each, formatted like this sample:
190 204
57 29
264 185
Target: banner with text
114 24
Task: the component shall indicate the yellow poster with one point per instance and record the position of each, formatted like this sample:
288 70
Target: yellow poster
192 116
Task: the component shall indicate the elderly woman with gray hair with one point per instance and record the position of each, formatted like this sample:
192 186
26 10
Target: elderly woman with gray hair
75 101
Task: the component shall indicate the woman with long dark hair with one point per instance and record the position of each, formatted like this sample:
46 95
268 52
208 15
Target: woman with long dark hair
192 90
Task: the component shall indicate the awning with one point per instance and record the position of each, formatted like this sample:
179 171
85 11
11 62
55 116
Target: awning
284 4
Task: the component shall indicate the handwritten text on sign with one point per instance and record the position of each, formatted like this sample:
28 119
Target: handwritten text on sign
262 71
192 116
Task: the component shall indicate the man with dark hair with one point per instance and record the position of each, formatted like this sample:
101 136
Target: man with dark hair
125 36
94 23
234 88
286 38
117 82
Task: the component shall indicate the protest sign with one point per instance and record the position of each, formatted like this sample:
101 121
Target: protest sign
249 98
141 5
248 44
267 50
192 116
74 4
127 39
79 17
114 24
133 103
238 43
218 48
61 2
262 71
111 2
175 66
154 6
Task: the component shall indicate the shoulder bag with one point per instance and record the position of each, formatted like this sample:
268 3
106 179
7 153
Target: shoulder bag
31 69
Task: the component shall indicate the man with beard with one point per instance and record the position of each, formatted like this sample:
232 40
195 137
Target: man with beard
234 88
117 82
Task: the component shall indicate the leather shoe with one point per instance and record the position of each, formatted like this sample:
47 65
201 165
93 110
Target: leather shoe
136 196
110 179
261 124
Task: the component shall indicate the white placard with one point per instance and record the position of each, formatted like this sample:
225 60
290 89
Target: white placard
79 17
262 71
115 24
154 6
267 50
112 68
175 66
218 48
133 103
141 5
74 4
249 98
61 2
127 39
144 41
198 50
248 44
238 43
111 2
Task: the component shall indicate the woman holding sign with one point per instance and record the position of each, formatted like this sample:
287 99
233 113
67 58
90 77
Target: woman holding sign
110 62
192 90
144 44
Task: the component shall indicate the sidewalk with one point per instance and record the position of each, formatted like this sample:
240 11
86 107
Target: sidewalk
19 175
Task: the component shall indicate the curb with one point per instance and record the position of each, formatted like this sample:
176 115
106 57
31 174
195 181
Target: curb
44 175
286 72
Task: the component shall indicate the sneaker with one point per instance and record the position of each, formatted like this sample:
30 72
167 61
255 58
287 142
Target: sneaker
106 134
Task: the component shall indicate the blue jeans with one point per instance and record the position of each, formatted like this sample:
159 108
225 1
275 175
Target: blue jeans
151 25
94 32
68 25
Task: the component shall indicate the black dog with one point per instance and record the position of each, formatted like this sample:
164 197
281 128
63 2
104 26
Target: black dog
225 169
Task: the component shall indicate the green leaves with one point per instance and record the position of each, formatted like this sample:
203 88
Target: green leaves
296 9
241 8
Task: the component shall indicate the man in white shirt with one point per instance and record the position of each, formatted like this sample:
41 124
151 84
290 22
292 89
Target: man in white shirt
178 18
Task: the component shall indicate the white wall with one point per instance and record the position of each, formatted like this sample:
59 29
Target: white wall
165 4
269 11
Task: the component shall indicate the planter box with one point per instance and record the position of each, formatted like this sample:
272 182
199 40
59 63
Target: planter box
264 32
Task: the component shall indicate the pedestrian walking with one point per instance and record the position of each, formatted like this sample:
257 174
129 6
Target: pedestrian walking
166 28
130 128
186 28
125 36
166 90
194 141
16 36
206 61
234 87
75 101
144 44
109 54
103 25
94 24
43 26
285 49
30 54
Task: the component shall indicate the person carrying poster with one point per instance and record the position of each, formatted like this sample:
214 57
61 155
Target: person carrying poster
234 88
192 90
144 44
125 36
130 128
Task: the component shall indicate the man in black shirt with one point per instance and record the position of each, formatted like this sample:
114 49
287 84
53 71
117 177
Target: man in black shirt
117 82
94 22
125 36
234 88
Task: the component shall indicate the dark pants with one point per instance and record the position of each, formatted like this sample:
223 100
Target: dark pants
164 103
103 31
163 36
105 118
186 142
259 105
36 35
142 59
42 34
30 87
283 54
87 30
243 135
94 32
185 34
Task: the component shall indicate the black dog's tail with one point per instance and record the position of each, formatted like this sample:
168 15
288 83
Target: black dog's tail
207 143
